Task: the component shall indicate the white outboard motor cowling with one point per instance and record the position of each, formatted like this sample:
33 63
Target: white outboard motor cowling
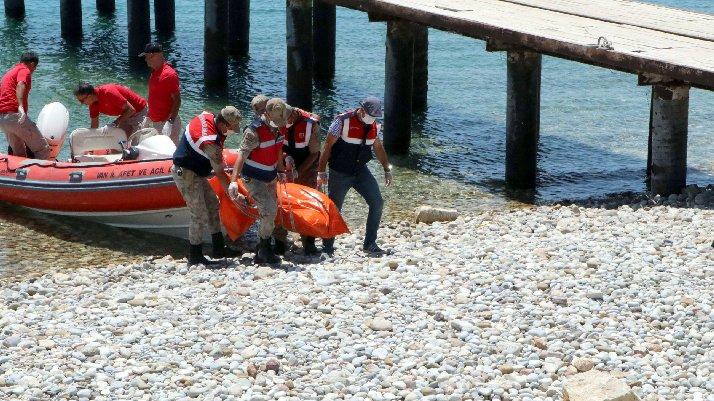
156 147
52 123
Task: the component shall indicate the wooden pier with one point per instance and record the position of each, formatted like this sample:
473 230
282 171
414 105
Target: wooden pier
669 49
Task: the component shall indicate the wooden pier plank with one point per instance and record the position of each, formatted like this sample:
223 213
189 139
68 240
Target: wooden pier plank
636 49
633 13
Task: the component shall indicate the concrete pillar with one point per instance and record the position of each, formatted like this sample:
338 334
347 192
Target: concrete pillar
398 86
105 7
215 62
421 68
668 139
324 33
15 8
300 55
522 118
238 27
139 24
71 20
165 17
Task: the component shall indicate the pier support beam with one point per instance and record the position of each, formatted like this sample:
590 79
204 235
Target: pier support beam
138 21
105 7
522 118
421 68
398 86
15 8
215 63
324 30
165 17
238 27
71 20
668 139
300 54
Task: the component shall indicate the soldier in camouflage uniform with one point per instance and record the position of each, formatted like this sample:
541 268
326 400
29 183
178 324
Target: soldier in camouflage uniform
199 152
260 165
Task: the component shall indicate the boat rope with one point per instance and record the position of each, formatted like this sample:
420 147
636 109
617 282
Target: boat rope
54 164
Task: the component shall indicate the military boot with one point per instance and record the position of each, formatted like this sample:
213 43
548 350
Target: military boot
264 254
195 257
308 246
219 247
280 247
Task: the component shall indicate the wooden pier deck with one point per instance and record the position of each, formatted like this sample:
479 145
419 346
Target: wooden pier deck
646 38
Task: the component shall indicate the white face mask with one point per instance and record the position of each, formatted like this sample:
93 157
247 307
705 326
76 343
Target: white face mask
272 124
367 119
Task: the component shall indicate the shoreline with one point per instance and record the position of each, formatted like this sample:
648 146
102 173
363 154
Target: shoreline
499 305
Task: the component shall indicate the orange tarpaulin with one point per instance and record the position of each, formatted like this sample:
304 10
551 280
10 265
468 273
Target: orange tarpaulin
301 209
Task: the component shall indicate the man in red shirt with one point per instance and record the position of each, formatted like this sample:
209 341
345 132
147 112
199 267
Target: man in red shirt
164 94
21 132
113 100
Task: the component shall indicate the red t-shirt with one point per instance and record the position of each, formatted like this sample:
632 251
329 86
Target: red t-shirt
8 88
112 98
163 83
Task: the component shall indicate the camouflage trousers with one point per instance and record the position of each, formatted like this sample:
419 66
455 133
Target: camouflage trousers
201 201
266 200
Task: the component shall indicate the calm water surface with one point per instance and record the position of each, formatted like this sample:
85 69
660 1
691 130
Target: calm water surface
594 122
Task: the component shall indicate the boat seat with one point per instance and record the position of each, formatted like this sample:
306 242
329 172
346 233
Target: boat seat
96 145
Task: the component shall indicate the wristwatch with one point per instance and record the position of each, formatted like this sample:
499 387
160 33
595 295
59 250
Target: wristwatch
388 168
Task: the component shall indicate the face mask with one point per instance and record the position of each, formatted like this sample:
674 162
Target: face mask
369 120
272 124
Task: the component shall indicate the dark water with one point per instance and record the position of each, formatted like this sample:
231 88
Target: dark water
594 122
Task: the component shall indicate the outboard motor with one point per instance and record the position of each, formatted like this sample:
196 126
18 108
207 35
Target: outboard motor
52 123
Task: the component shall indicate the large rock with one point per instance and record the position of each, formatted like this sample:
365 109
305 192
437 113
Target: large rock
428 214
595 385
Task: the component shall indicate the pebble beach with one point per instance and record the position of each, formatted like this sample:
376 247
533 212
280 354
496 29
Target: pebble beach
501 305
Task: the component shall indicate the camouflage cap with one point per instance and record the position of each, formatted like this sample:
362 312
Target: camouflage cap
258 104
232 116
278 111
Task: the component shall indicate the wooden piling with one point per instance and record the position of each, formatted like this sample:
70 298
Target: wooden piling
324 33
165 17
139 25
238 27
668 139
105 7
398 86
215 63
15 8
421 68
71 20
300 54
522 118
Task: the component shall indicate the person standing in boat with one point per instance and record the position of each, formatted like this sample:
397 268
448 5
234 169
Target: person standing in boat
200 151
113 100
301 149
21 132
164 94
260 164
348 148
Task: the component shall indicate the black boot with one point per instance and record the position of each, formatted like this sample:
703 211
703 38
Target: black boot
308 246
280 247
219 247
195 256
328 246
264 254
